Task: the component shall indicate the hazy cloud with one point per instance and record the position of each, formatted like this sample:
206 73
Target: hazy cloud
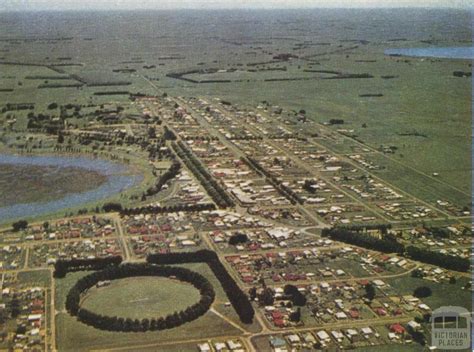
220 4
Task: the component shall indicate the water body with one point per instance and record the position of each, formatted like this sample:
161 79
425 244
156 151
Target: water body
466 53
118 179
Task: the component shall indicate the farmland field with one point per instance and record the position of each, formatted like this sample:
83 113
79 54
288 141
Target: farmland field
419 108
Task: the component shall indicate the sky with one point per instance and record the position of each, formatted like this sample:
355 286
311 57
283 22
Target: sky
36 5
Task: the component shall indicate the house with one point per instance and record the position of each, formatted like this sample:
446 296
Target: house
423 306
397 329
34 317
352 334
103 283
277 342
392 336
378 283
354 313
220 346
413 325
204 347
234 345
279 323
293 339
323 336
309 338
338 336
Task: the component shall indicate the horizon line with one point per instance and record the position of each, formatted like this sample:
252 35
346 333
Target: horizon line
239 8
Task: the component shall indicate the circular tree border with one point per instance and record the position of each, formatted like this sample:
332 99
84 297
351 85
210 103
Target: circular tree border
121 324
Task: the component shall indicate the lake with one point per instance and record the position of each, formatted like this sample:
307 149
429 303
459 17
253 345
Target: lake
466 53
107 179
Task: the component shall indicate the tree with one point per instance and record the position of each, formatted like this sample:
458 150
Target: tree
266 297
370 291
296 316
417 273
19 225
52 106
145 324
237 239
296 297
15 309
253 293
168 134
151 132
336 121
110 207
60 137
422 292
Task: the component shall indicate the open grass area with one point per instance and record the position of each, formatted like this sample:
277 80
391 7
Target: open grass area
444 294
141 297
40 278
393 348
75 336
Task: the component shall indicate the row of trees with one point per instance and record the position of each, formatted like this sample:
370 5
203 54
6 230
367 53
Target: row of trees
218 194
44 123
62 267
383 228
158 150
168 175
112 207
387 243
113 323
436 258
168 134
236 296
17 107
154 209
285 191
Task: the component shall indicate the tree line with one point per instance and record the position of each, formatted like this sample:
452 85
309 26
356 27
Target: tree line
436 258
114 323
383 228
63 266
285 191
217 193
236 296
388 243
168 175
154 209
